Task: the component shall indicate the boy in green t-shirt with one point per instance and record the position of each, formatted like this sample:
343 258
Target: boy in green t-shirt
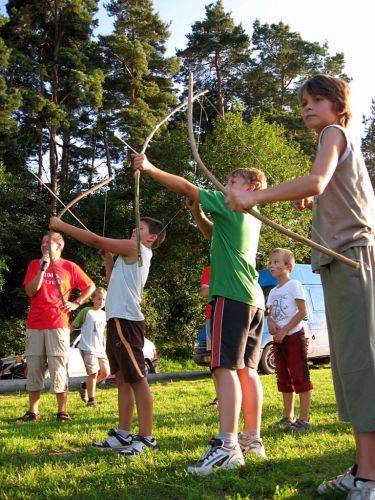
237 313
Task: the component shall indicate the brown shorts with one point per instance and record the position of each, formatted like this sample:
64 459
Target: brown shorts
126 355
236 330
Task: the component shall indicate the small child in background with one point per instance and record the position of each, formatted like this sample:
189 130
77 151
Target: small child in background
92 322
286 309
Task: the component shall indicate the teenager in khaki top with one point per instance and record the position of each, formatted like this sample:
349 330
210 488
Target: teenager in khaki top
344 220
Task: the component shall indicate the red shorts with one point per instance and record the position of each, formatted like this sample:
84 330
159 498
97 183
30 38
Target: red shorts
127 358
292 371
236 330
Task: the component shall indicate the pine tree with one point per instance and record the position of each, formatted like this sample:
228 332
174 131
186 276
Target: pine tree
138 84
50 67
216 51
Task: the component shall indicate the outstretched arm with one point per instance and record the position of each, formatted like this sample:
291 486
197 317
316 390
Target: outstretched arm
332 146
126 248
173 182
205 225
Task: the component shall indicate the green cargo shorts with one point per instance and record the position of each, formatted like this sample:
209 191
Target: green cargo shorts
349 296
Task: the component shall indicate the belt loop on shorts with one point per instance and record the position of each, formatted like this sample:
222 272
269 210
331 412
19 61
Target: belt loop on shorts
128 347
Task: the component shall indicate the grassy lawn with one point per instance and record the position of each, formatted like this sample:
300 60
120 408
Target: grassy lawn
51 460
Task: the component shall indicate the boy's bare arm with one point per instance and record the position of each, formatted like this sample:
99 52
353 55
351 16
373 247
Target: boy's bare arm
205 225
332 146
107 258
204 291
173 182
125 247
299 316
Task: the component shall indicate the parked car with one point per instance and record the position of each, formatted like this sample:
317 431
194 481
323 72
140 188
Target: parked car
16 366
13 367
315 324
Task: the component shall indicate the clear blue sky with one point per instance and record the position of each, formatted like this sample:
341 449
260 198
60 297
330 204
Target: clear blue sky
346 25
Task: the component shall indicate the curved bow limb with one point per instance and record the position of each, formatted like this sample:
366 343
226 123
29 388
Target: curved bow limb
63 211
137 173
83 195
281 229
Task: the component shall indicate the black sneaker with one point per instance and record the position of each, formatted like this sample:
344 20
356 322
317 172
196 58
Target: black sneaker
139 445
83 392
92 403
114 441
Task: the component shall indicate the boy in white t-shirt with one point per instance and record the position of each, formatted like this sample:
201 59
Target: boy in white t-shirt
92 322
286 309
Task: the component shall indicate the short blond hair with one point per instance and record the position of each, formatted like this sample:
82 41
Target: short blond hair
56 237
98 290
251 175
287 255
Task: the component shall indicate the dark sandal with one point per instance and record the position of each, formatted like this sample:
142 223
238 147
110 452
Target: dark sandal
29 417
62 416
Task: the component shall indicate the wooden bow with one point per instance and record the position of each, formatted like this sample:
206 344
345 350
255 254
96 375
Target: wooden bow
59 216
137 172
251 211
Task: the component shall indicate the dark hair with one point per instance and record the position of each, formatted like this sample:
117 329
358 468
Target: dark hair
155 227
334 89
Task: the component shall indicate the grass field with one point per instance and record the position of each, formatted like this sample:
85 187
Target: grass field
49 460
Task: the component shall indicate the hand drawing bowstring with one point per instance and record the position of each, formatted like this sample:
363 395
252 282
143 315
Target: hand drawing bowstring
251 211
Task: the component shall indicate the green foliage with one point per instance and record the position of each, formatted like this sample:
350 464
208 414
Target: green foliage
368 143
216 50
12 336
235 144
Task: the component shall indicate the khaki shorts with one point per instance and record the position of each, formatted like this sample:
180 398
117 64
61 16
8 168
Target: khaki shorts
47 347
95 362
349 296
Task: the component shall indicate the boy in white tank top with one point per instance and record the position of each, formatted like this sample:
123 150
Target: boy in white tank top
125 329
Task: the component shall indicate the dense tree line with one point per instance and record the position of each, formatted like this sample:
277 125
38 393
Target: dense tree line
66 92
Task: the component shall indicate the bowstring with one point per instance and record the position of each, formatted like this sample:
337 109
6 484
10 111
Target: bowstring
105 212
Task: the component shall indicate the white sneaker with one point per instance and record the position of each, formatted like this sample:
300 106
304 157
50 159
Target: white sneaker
364 490
217 457
254 446
114 441
344 482
139 445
